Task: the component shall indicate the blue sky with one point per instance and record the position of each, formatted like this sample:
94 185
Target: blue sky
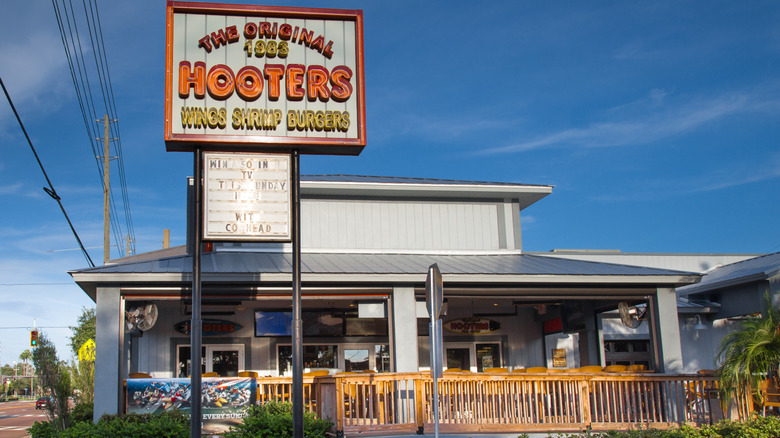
657 123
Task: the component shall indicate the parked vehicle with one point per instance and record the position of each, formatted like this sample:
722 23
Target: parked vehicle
43 402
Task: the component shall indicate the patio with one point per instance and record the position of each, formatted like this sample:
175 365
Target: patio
504 402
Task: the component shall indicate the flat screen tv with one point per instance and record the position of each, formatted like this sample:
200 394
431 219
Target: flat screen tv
273 323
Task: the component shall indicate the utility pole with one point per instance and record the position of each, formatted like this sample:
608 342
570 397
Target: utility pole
106 223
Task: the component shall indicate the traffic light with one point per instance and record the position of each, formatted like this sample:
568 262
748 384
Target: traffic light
34 338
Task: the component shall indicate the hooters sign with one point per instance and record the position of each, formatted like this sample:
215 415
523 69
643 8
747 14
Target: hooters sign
263 78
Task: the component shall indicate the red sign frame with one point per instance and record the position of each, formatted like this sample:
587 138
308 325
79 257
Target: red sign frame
310 142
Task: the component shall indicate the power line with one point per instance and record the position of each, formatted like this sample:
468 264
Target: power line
80 75
50 190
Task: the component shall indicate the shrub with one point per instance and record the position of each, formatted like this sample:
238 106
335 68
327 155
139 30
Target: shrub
172 424
42 429
275 420
760 427
82 412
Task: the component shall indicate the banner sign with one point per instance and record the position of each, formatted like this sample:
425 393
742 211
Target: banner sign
211 327
225 400
264 78
472 326
247 197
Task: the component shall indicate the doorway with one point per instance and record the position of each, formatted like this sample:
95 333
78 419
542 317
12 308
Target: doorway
224 359
476 356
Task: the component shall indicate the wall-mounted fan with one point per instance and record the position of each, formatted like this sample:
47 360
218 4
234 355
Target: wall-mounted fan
631 316
141 317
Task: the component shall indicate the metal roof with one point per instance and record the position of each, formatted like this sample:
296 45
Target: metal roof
227 262
747 271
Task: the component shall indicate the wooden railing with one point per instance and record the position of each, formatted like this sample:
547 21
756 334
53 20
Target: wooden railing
505 402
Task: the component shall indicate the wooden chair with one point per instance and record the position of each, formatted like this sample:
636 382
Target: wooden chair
519 370
496 370
592 369
635 368
248 374
616 369
770 394
139 376
453 370
309 391
571 370
537 370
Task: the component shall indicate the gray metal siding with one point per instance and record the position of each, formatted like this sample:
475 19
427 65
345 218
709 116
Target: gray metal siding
400 225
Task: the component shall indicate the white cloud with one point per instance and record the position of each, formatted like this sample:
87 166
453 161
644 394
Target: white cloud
651 120
10 189
735 175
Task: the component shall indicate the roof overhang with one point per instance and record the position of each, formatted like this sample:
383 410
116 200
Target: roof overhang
525 195
456 284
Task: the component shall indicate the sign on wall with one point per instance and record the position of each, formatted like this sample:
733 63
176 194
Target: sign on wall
472 326
245 77
225 401
247 197
211 327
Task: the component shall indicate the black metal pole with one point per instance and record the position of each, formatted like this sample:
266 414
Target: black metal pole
297 332
196 331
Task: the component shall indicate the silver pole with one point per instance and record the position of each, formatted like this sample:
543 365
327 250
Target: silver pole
297 334
196 330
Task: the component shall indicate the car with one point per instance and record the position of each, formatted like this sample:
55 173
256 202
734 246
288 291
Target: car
43 402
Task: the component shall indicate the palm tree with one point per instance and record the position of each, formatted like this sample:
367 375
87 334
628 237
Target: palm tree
25 356
750 354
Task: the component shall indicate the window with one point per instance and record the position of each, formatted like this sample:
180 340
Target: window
356 360
346 357
627 352
314 356
226 360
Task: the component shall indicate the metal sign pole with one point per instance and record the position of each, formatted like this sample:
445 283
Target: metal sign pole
196 331
434 297
435 334
297 323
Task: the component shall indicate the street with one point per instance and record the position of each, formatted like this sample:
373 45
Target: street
17 416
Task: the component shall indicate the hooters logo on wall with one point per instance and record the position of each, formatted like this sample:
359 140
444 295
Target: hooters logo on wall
472 326
244 77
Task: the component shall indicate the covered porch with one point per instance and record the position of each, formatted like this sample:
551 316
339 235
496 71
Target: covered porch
520 292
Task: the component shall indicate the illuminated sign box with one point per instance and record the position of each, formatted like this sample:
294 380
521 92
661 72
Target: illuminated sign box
247 196
263 78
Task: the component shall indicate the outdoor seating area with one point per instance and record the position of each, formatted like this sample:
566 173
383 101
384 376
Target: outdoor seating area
505 401
585 369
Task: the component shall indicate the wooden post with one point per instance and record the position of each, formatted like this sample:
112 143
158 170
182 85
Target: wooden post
106 193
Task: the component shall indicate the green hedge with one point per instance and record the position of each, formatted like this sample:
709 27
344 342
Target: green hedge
275 420
173 424
759 427
271 420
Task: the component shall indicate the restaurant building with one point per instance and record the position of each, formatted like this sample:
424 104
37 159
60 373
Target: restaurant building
367 243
